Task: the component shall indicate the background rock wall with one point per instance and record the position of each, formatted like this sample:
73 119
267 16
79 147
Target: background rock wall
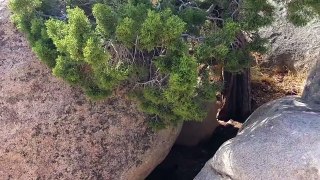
294 47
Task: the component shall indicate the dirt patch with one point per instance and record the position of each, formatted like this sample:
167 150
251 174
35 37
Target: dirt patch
272 84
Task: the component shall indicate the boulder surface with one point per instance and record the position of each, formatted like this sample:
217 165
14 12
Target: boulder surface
193 133
295 48
280 140
49 130
311 93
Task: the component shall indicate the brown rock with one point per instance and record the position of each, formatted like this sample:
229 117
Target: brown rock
49 130
193 133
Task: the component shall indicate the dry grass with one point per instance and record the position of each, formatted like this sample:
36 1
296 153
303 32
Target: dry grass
271 84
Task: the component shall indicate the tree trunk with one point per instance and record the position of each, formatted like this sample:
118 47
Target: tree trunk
236 96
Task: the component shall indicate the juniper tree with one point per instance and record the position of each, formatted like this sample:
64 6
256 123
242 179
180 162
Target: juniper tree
165 53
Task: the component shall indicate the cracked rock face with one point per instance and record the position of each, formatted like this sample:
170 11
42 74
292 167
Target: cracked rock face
280 140
295 48
49 130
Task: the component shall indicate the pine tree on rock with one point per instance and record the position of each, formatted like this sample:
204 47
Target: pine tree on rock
165 54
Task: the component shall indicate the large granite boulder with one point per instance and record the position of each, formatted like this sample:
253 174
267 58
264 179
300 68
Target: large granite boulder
292 47
280 140
49 130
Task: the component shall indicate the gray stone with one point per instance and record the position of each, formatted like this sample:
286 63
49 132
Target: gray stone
280 140
49 130
311 91
293 47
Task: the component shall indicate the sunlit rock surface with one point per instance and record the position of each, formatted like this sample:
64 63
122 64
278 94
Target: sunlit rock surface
49 130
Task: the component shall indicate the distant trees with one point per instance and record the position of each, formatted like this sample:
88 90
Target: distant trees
165 53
